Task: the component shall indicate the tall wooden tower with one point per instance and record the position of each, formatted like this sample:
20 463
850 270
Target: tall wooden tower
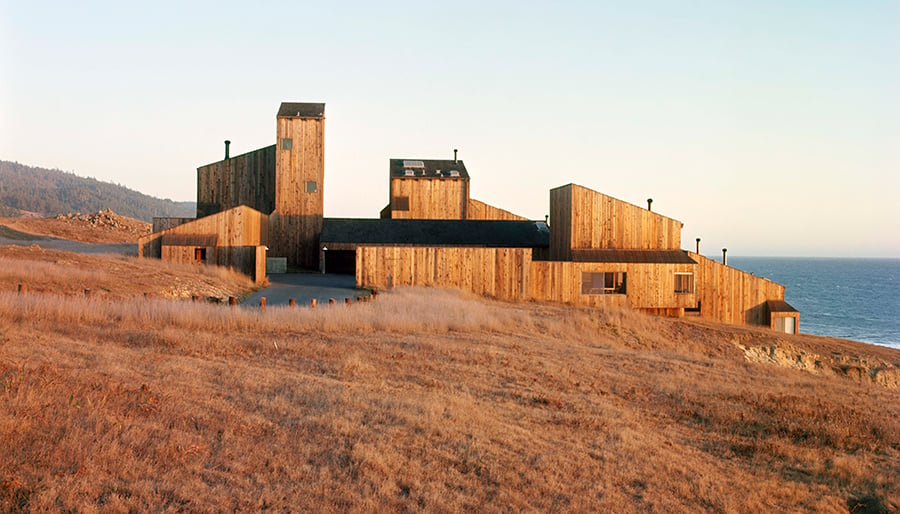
296 223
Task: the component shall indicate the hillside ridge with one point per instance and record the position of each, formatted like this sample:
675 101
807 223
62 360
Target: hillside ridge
31 190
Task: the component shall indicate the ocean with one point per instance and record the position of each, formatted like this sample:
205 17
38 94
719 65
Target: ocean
855 299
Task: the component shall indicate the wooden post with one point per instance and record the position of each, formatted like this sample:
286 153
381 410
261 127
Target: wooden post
347 301
23 289
291 302
374 294
87 292
232 301
359 299
195 298
312 303
262 303
146 296
331 301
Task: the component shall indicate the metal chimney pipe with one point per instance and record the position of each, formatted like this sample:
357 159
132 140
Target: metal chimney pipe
454 156
725 256
649 204
698 246
547 219
227 143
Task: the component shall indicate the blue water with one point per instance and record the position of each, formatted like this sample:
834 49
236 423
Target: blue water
855 299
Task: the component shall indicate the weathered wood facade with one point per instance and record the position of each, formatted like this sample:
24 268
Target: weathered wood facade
162 223
429 198
236 237
733 296
247 179
498 272
582 218
296 222
649 286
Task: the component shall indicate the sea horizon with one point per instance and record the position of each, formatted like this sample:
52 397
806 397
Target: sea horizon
855 298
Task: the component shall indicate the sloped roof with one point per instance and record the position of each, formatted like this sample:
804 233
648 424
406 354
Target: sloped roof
428 168
631 256
507 234
301 110
779 306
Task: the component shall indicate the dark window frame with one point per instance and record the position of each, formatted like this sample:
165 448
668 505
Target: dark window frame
684 282
287 144
312 186
596 283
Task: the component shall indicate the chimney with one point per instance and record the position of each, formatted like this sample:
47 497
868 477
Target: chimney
725 256
547 219
227 143
698 246
454 155
649 204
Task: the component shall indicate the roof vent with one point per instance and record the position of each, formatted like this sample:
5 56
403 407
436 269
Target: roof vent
454 173
408 172
414 164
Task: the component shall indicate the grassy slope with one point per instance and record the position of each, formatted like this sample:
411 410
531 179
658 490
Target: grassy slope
428 400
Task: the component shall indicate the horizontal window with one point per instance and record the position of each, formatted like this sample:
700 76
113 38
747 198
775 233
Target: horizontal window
604 282
684 283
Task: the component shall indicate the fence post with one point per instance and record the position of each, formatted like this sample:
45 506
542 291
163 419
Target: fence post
347 301
195 298
87 292
232 301
23 289
291 302
331 301
312 303
262 303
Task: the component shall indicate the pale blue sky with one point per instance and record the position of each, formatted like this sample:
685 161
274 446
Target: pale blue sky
770 128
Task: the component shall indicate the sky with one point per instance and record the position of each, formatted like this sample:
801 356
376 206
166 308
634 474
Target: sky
769 128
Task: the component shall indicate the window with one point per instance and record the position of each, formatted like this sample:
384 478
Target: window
684 282
199 254
609 282
401 203
287 143
311 186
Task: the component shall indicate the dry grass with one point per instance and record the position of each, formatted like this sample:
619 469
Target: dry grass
114 276
426 400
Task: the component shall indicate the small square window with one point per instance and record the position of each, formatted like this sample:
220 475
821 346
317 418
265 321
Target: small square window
287 143
684 283
401 203
311 187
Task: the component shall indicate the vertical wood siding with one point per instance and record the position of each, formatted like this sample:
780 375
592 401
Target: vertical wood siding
247 179
296 223
733 296
582 218
430 198
648 286
498 272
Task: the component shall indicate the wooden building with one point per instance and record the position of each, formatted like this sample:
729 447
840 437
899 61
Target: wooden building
429 189
597 251
233 238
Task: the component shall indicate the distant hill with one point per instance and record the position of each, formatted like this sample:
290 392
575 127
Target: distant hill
25 189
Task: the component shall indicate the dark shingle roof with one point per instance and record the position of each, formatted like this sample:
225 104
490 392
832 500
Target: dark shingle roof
508 234
779 306
301 110
632 256
434 168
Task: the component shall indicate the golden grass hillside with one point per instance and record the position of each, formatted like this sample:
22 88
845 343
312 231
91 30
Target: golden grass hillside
429 400
99 227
